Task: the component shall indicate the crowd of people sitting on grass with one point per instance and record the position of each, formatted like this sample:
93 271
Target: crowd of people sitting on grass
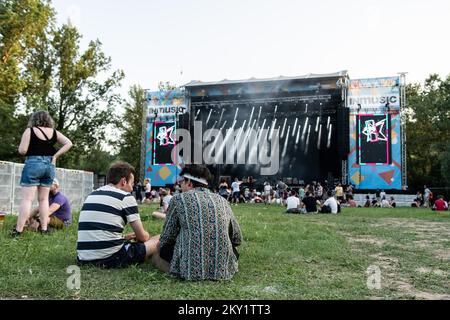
315 197
278 193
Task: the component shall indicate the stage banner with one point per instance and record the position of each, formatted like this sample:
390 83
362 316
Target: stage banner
162 111
375 146
373 143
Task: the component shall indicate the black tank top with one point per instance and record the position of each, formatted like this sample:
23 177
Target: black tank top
39 147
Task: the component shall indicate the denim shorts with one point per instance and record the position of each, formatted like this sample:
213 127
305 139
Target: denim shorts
38 171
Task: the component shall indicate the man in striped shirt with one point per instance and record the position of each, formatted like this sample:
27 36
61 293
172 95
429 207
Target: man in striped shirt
201 233
104 214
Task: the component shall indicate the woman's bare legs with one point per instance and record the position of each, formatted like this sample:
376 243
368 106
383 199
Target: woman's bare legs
28 194
44 212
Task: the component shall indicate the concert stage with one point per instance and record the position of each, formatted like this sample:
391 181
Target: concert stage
329 128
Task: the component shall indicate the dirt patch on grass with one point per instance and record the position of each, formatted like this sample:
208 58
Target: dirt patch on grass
393 280
409 290
367 240
426 270
430 235
422 226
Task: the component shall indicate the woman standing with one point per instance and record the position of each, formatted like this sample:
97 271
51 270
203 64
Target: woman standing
38 145
147 190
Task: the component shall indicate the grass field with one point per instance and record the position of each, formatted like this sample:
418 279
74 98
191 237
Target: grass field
282 257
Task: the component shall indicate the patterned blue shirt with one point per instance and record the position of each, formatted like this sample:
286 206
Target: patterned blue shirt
204 232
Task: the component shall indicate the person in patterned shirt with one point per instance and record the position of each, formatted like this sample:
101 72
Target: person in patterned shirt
200 234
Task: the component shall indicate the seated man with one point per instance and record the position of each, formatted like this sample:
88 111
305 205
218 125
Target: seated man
200 234
293 203
440 204
166 197
59 209
104 214
310 203
330 205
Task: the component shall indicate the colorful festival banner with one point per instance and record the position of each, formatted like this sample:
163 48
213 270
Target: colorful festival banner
374 161
163 107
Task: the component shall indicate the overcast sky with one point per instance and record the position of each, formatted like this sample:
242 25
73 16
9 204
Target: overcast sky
207 40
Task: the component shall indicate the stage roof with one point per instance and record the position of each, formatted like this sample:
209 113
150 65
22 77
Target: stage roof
310 76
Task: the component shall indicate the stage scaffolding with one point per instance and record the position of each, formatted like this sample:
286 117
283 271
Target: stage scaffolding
403 105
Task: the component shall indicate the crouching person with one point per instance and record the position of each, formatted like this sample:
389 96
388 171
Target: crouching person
59 210
200 234
103 217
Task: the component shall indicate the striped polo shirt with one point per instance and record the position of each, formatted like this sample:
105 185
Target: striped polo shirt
104 214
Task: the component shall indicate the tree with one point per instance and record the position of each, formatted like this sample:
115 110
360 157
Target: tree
131 127
23 25
428 132
66 83
42 67
97 160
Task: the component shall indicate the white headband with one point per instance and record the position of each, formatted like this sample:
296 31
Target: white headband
201 180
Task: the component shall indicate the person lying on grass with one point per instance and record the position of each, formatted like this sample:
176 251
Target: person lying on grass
200 234
60 211
104 214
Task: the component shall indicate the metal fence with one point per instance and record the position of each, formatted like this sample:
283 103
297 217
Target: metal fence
75 184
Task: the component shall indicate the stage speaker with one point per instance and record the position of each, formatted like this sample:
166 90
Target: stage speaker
343 132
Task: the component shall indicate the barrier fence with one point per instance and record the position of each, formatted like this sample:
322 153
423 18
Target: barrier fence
75 184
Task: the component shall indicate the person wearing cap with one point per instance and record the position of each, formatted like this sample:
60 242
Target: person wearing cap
59 208
200 234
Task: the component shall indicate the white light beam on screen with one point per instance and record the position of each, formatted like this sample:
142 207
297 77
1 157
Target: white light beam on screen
247 134
235 115
221 115
329 136
317 123
272 127
307 139
210 133
263 124
298 134
227 136
209 116
286 142
284 127
295 127
305 127
251 116
319 137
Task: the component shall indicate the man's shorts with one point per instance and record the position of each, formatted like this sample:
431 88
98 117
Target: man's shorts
166 252
236 194
131 253
57 223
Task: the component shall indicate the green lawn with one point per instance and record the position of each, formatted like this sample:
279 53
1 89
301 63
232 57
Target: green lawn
282 257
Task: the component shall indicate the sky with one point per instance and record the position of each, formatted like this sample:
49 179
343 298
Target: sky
179 41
